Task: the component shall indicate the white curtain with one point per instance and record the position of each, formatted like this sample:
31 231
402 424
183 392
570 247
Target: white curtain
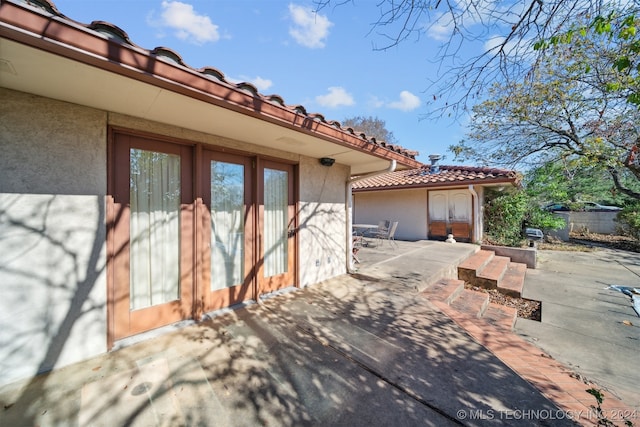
154 228
275 222
227 225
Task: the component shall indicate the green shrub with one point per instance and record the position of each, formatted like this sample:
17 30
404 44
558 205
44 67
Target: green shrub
507 214
544 220
629 221
504 215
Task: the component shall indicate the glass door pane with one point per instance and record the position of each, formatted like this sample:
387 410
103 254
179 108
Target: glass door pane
275 222
227 224
154 228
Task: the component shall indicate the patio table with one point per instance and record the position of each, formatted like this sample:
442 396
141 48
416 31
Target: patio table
361 229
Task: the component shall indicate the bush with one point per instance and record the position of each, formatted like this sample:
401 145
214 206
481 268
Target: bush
507 214
544 220
504 216
629 221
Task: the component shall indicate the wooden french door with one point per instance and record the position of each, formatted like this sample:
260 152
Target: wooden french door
151 223
450 211
276 226
228 230
243 231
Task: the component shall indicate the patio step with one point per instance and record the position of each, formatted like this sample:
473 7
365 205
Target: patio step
445 290
467 270
512 282
492 273
471 302
450 296
501 316
487 270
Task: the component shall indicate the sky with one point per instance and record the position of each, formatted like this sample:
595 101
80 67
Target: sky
325 60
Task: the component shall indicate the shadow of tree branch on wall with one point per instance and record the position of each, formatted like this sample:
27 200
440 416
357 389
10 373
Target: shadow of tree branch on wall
52 260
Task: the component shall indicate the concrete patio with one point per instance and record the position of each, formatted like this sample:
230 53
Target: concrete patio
366 349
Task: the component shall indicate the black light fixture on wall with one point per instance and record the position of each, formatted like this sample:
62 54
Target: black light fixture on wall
327 161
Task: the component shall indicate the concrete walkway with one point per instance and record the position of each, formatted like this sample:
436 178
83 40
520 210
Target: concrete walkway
590 329
360 350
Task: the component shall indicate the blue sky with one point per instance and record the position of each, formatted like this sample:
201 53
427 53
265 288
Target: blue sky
325 61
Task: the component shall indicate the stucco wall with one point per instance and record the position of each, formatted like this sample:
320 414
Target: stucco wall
52 227
478 229
593 222
408 207
322 219
52 234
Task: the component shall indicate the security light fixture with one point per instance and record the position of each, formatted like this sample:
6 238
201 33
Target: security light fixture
327 161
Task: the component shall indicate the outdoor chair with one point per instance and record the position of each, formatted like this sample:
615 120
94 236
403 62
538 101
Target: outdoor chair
383 227
389 235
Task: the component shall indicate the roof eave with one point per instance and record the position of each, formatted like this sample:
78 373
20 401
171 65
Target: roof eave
64 38
438 185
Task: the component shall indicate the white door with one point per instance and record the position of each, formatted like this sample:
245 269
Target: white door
450 212
459 204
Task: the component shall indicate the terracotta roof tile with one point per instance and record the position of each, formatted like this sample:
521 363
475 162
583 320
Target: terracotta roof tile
446 175
119 36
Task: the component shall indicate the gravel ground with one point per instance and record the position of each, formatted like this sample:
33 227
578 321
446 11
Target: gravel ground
592 241
527 309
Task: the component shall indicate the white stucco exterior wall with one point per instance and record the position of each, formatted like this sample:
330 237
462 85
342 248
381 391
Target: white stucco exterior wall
408 207
479 232
322 218
52 234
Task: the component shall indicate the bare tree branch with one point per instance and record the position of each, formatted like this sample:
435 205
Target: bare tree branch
514 28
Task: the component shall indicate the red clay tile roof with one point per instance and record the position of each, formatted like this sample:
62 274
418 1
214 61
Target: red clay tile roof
447 175
119 36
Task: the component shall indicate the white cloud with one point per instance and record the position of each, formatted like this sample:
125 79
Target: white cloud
187 24
407 102
442 28
375 102
472 17
495 41
492 43
260 83
336 97
310 29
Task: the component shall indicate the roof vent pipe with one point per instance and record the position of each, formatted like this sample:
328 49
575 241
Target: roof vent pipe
435 168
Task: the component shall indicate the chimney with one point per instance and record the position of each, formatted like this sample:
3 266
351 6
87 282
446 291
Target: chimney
434 160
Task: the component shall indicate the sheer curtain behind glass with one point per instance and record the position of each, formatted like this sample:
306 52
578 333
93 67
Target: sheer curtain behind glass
275 222
227 225
154 228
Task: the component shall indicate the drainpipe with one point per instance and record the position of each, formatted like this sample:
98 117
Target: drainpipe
476 216
349 222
